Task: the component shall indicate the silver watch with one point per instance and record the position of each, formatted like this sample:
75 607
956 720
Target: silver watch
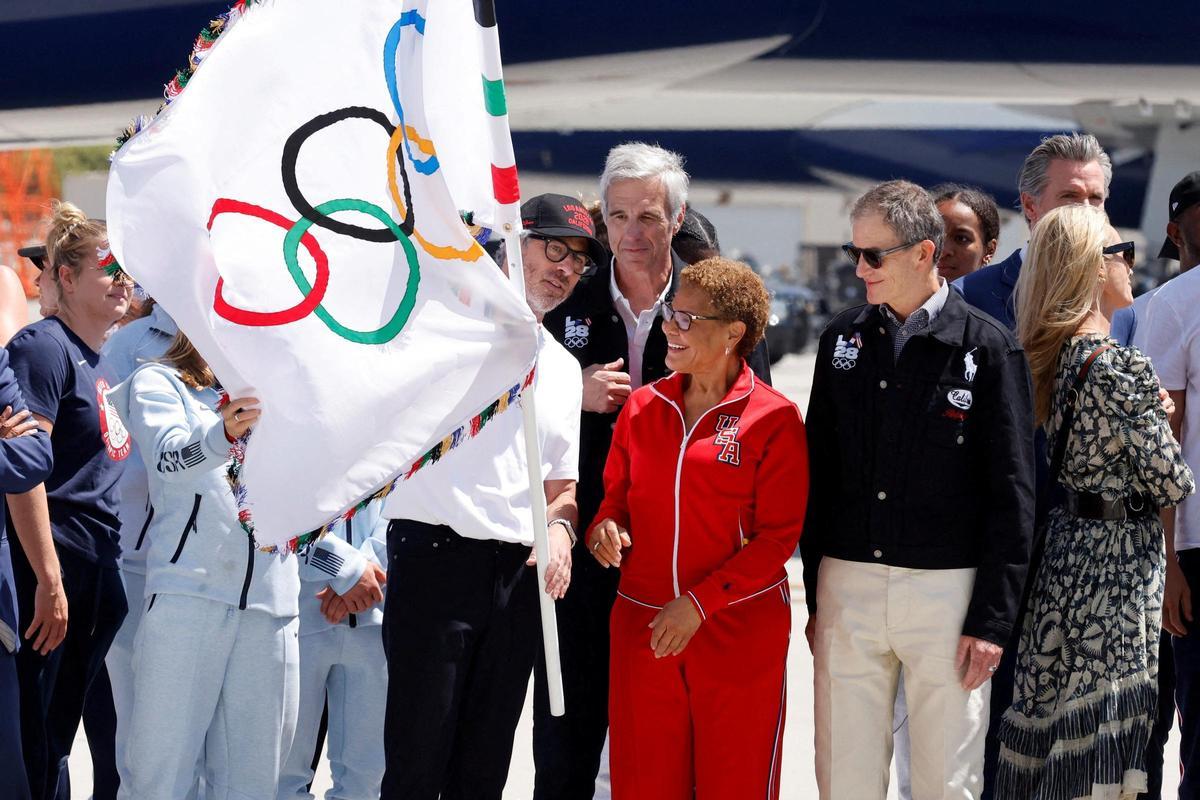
566 524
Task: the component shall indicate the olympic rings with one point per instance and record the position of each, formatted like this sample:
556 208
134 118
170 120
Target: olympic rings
393 326
472 253
312 294
390 45
291 152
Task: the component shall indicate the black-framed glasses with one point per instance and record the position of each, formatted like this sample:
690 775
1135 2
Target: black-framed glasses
1124 249
557 250
683 319
873 255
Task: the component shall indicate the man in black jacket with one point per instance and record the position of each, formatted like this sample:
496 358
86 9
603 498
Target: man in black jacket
920 514
612 325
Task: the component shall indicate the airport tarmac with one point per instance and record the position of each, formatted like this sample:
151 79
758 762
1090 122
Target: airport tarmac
793 376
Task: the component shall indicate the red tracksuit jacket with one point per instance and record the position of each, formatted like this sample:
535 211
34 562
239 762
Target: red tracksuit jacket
715 512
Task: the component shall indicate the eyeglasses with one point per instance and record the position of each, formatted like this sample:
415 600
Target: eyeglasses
557 250
1125 249
873 255
119 276
683 319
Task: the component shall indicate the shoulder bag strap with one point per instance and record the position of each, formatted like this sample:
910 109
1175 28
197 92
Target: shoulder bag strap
1064 433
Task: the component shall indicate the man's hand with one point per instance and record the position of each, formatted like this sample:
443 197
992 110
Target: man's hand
606 542
49 617
20 424
605 387
673 627
1177 601
558 571
368 591
978 659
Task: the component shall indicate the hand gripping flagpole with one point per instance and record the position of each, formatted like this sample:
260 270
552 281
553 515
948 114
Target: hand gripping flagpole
508 196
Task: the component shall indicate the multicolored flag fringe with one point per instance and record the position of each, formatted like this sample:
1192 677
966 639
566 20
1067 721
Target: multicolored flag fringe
328 275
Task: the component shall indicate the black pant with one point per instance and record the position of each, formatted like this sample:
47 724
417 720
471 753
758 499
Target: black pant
567 749
1163 721
460 629
100 727
1187 683
54 687
13 783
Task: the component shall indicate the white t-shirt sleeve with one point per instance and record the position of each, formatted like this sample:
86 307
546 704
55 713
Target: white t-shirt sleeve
1162 337
560 455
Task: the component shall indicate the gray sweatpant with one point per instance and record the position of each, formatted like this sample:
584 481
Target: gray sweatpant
210 679
347 666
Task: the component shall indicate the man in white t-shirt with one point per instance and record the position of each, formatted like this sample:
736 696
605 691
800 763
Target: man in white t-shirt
1170 335
461 626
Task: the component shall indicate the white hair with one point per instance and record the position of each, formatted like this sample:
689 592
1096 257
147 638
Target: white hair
639 161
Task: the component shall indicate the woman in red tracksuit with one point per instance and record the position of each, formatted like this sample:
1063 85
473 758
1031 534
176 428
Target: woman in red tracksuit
705 489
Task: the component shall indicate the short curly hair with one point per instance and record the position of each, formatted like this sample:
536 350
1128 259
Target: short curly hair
736 292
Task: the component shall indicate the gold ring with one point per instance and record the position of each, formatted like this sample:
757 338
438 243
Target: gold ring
596 547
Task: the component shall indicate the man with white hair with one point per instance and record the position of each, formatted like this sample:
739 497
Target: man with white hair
611 324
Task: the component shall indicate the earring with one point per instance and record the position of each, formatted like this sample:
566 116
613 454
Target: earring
726 349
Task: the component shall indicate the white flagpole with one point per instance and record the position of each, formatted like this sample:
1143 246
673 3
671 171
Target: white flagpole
537 497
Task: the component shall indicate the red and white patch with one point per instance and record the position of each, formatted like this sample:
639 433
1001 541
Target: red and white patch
112 430
726 439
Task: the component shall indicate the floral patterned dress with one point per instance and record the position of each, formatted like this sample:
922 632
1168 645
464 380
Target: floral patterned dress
1087 667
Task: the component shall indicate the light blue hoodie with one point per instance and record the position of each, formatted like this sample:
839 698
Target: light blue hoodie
345 554
196 545
137 343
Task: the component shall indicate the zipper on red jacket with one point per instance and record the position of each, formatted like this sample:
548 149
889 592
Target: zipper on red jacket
687 435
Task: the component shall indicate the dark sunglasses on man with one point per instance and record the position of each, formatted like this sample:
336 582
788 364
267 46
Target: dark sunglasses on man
682 319
557 250
1125 249
873 255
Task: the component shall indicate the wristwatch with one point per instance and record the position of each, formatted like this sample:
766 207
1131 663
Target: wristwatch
570 528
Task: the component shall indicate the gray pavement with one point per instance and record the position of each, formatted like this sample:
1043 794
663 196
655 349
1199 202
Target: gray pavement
793 376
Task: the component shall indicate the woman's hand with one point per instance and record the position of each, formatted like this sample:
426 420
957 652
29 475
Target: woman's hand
1168 404
240 416
606 541
20 424
673 627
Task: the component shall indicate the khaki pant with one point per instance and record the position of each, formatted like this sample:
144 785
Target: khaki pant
872 622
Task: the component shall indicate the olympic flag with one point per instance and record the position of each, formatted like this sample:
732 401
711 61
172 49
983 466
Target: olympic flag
294 209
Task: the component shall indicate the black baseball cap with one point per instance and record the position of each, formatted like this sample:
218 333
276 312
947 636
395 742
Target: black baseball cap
561 216
35 253
1185 195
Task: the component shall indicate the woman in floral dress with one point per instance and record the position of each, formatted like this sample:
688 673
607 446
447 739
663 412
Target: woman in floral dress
1087 667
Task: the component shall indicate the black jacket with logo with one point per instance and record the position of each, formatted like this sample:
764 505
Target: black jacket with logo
925 463
588 325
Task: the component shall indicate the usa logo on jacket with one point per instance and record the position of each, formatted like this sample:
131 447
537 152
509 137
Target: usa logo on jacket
726 439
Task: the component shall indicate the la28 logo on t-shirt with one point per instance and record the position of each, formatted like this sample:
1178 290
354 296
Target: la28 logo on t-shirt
116 437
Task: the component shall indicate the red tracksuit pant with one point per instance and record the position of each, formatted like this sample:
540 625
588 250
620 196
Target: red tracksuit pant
708 723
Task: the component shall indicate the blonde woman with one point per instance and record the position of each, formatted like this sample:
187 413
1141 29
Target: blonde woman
56 362
1086 674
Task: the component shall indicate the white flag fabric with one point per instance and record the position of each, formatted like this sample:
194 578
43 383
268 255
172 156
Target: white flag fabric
290 209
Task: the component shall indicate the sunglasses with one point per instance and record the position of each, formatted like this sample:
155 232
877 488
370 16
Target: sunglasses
873 255
682 319
1125 249
557 250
